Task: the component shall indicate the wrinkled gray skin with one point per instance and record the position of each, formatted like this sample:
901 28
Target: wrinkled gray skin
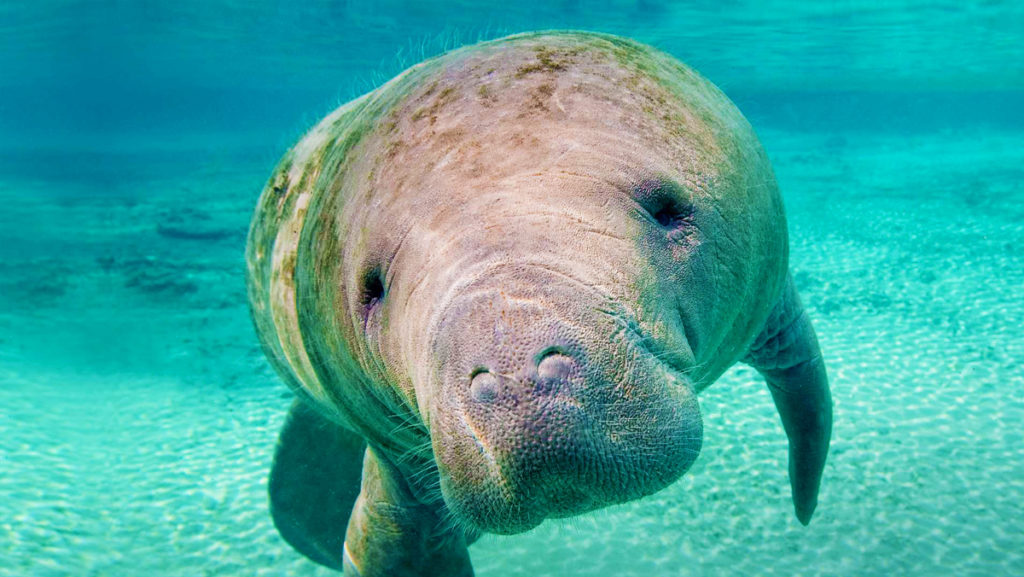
497 284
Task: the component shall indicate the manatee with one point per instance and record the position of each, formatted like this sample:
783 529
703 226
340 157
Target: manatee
497 284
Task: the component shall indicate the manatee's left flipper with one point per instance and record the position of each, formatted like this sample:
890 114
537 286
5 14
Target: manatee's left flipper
314 483
786 353
391 534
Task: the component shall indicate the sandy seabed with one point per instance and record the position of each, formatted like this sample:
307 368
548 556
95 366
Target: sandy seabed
138 417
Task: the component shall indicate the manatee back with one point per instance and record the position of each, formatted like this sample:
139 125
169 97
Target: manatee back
292 218
271 253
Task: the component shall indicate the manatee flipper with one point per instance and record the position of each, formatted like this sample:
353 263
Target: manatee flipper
391 534
786 353
314 483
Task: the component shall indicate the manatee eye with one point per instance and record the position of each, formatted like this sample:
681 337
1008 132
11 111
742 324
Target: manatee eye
663 201
673 214
372 291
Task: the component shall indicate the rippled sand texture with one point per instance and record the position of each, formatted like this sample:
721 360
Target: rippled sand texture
137 416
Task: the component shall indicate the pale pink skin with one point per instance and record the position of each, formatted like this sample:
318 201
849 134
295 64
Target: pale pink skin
511 270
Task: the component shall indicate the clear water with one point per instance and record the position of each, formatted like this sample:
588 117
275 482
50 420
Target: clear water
138 416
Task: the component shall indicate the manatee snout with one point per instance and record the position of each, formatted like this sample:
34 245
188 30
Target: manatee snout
554 372
547 408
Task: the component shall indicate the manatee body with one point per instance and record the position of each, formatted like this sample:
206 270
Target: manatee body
497 284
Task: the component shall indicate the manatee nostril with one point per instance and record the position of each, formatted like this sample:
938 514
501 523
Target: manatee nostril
554 364
483 387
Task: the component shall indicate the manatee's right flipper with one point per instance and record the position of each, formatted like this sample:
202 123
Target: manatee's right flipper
314 483
786 353
391 534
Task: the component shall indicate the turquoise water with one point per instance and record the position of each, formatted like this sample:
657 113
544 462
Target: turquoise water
138 415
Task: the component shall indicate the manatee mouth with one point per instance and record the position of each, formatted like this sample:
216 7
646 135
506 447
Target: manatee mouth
507 468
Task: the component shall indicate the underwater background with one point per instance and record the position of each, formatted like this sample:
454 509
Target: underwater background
138 415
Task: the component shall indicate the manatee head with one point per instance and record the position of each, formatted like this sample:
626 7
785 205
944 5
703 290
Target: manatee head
539 250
